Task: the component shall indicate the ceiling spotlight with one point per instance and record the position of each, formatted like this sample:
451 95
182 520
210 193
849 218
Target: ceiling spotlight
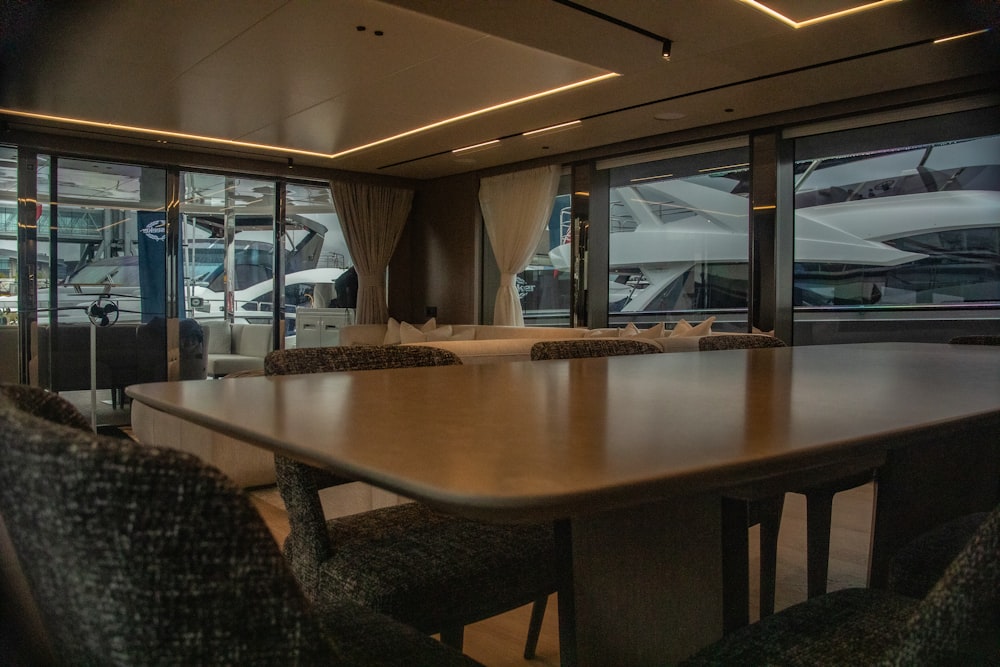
291 163
667 44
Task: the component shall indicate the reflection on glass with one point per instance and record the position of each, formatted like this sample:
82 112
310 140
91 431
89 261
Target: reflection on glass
542 287
678 243
911 226
109 243
315 252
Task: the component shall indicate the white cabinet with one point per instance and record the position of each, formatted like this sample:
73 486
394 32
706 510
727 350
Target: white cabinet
320 327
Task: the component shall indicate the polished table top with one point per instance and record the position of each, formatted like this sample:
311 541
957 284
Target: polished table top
524 441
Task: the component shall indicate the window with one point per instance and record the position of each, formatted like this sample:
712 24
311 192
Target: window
678 237
237 277
543 287
898 226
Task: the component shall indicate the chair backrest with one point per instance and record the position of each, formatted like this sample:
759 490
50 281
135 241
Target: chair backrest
582 348
355 358
957 622
298 483
979 339
139 555
45 404
738 342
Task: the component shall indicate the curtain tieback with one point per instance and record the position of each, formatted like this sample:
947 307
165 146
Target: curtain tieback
507 279
370 279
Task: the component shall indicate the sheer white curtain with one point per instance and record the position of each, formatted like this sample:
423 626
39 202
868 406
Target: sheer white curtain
372 218
515 209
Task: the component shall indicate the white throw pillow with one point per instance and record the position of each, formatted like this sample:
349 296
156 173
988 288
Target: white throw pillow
391 332
393 327
682 328
411 334
631 329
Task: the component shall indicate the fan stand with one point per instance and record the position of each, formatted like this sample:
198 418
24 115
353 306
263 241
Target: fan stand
93 375
99 316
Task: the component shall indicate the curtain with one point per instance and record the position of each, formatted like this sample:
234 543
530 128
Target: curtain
516 207
372 219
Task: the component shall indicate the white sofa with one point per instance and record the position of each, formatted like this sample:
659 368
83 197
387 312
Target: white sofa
479 344
236 347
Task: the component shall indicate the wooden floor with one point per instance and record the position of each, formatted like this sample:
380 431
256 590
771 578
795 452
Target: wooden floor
499 641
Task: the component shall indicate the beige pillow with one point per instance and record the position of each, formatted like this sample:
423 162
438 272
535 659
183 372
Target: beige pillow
393 327
391 332
411 334
631 329
682 328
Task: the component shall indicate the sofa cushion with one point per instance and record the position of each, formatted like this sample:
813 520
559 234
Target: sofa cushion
224 364
219 336
495 331
486 351
252 340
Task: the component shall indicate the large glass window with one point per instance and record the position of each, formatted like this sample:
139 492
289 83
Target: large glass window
899 235
109 249
234 279
678 239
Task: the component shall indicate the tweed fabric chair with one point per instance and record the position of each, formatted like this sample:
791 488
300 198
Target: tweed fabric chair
955 624
980 339
738 342
45 404
434 572
139 555
749 508
354 358
581 348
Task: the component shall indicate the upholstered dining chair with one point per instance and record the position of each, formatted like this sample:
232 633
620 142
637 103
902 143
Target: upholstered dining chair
956 623
976 339
139 555
918 565
45 404
434 572
763 504
23 636
579 348
738 342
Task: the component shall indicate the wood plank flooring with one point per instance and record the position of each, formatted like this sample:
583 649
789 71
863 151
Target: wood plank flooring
499 641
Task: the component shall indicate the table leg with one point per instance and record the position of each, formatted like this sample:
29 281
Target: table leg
646 583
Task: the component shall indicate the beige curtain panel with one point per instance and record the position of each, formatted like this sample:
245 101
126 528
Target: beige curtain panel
516 207
372 219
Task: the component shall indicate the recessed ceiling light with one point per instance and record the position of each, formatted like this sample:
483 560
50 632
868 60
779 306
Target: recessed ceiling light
669 115
285 149
473 147
760 6
552 128
963 35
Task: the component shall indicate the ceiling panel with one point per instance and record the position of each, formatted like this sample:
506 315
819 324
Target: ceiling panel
300 75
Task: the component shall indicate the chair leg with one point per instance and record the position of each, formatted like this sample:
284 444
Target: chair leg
453 636
535 626
819 508
769 512
735 564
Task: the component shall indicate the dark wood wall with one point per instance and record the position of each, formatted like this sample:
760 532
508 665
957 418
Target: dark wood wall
437 262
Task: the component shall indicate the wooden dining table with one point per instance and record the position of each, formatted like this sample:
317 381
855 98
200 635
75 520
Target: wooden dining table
629 457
